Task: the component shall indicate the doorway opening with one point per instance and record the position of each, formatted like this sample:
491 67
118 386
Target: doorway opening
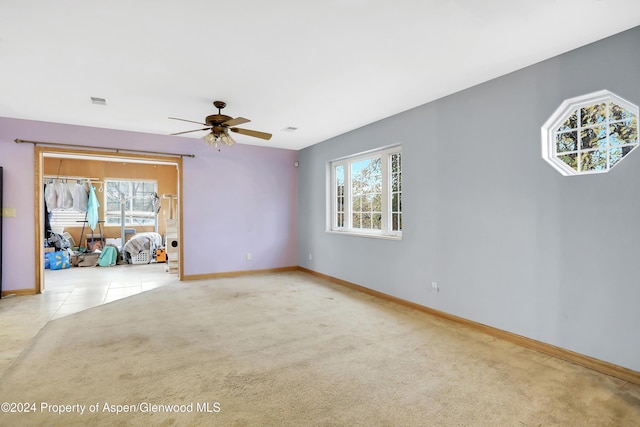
104 170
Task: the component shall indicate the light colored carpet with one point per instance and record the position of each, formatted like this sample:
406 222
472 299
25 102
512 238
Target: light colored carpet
290 349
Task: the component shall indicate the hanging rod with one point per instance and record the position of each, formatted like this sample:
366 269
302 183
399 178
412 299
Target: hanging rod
71 178
117 150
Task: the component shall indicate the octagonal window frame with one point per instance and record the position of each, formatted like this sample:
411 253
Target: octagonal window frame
572 109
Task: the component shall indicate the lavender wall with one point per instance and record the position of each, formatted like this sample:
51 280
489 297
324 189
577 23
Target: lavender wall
239 200
244 198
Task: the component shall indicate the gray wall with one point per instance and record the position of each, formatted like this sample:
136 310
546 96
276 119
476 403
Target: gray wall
511 242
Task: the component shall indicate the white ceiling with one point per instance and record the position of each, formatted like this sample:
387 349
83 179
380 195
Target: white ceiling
325 67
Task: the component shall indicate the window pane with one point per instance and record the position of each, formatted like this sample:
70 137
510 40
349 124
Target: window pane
593 160
138 205
619 113
367 203
567 141
396 196
570 123
396 182
366 188
366 176
113 220
376 221
595 137
617 153
366 220
395 163
571 160
377 203
357 204
356 219
396 222
593 114
624 132
113 205
340 175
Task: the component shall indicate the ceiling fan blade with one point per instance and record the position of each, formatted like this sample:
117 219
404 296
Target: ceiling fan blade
187 131
236 121
253 133
190 121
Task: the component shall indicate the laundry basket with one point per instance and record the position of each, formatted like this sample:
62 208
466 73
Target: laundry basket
143 257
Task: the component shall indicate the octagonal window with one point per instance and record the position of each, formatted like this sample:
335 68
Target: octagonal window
590 133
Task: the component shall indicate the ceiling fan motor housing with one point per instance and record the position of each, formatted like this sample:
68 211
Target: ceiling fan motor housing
219 130
217 119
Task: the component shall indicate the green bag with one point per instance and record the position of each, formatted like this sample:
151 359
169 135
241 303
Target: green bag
108 257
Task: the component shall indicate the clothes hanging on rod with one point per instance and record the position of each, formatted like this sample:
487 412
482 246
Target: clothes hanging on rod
92 210
68 193
65 198
50 196
80 197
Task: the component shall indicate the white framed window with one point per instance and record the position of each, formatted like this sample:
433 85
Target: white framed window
366 194
138 196
590 133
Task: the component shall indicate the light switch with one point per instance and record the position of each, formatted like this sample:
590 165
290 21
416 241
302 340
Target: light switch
9 212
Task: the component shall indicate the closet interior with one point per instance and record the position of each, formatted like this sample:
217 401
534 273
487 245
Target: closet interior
101 212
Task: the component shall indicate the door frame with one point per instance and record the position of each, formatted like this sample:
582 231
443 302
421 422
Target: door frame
39 154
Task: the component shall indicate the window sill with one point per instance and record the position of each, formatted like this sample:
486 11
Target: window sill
369 235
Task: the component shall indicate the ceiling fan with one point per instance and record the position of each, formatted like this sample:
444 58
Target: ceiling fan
219 126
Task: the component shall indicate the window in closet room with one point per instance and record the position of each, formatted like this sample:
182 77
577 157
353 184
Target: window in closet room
138 194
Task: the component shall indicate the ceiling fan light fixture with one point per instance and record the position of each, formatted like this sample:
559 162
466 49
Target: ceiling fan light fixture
211 139
227 140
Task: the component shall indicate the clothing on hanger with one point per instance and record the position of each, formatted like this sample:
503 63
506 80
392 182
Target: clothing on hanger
92 208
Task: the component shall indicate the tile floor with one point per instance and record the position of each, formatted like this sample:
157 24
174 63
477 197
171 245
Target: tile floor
76 289
67 292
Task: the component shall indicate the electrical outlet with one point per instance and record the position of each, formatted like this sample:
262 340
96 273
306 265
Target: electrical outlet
248 256
434 287
310 257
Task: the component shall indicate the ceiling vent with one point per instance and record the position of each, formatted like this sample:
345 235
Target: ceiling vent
98 101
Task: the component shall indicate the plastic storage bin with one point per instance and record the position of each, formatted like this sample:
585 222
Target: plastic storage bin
142 257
